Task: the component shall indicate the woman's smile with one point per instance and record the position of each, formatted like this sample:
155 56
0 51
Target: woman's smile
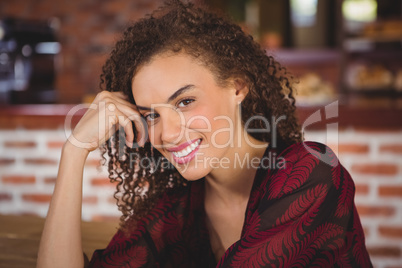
185 152
189 115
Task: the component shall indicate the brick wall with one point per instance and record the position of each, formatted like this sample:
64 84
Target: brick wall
88 29
29 163
374 160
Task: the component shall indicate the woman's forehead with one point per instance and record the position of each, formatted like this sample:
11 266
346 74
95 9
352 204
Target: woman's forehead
167 73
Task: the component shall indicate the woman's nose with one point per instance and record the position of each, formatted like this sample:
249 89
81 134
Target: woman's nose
172 127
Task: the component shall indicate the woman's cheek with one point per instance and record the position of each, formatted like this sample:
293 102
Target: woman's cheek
217 129
198 124
153 134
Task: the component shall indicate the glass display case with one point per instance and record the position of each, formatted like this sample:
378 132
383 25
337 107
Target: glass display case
372 51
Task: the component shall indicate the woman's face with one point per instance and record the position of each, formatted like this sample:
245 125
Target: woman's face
192 121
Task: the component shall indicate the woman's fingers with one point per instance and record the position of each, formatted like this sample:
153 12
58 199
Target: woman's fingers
129 112
108 111
126 122
118 97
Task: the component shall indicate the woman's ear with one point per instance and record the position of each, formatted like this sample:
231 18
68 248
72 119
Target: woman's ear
241 88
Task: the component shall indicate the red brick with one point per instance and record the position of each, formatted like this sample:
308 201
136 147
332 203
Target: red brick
55 144
391 148
362 189
112 200
50 180
395 191
90 199
353 148
390 231
18 179
37 198
40 161
116 6
375 210
20 144
93 162
6 161
32 121
14 10
5 197
375 169
102 182
366 231
391 252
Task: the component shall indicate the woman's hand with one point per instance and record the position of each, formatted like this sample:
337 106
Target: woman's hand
107 113
61 246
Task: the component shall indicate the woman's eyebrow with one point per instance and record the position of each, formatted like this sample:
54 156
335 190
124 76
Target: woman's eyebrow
177 93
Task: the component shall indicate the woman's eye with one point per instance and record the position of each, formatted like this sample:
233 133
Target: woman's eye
151 117
185 102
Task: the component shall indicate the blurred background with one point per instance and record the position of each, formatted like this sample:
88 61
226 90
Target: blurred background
345 54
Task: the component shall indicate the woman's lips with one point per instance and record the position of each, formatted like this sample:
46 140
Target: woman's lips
186 151
181 146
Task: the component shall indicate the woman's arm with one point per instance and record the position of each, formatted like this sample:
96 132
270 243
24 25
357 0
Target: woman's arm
60 244
61 238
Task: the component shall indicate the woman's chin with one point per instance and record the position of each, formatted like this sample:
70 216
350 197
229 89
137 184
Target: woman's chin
192 174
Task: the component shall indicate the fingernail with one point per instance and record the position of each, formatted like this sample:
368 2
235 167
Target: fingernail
141 144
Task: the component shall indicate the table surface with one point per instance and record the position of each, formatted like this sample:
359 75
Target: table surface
20 236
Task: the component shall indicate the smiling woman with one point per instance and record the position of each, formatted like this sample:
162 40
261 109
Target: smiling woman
210 162
178 118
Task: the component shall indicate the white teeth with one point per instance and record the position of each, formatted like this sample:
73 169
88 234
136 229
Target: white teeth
193 146
187 150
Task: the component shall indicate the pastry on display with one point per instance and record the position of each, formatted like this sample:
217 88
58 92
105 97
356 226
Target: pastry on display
313 90
384 30
364 77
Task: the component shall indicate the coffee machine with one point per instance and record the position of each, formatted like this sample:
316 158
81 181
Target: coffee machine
28 54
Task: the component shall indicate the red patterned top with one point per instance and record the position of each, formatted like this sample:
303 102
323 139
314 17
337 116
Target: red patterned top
299 214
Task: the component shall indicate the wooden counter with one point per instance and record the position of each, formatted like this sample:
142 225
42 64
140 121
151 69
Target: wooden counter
20 236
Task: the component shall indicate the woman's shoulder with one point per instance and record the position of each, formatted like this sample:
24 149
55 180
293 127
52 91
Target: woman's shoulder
302 214
310 149
309 154
304 165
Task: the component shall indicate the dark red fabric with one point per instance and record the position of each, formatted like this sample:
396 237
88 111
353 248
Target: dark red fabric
301 215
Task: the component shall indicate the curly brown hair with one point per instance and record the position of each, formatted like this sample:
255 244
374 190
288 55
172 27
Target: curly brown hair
229 53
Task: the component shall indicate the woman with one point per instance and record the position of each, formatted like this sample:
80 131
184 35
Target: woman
220 175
